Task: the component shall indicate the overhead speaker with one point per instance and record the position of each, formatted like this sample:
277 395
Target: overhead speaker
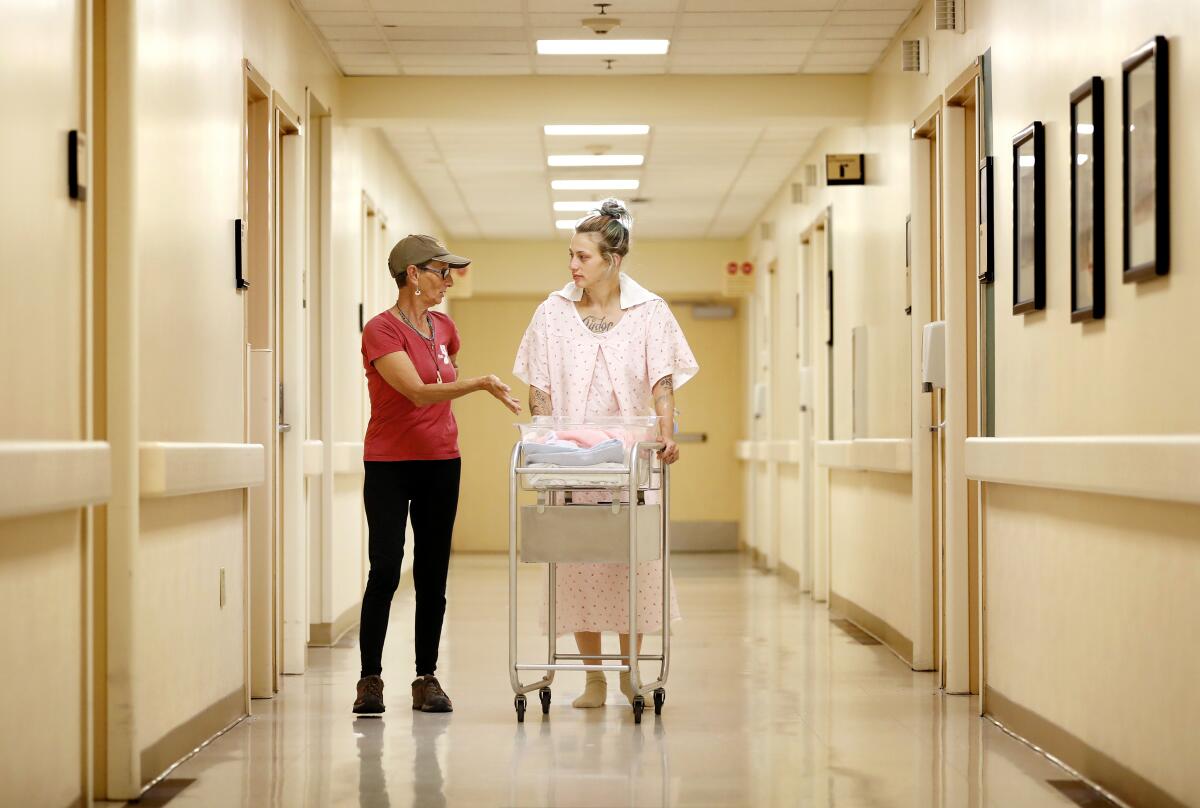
914 56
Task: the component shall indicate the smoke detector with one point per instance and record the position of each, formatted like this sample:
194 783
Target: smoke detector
603 24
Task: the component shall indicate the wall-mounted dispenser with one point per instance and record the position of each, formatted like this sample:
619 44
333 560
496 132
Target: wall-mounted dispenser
933 356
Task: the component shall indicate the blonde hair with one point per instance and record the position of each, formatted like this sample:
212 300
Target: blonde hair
612 225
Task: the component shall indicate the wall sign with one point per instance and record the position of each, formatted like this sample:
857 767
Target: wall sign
844 169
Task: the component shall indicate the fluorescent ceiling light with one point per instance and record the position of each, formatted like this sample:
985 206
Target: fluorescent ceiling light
565 224
594 185
602 47
572 207
601 129
595 159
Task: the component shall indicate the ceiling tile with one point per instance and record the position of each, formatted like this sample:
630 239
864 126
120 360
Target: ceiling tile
446 34
882 17
873 46
798 46
760 5
360 32
858 5
343 46
448 20
750 33
738 19
462 6
334 5
342 18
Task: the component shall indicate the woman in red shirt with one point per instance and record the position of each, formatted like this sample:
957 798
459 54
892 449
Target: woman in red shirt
411 460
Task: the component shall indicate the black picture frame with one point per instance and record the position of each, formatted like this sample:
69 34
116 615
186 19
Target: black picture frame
1087 201
1145 190
1029 219
987 273
908 264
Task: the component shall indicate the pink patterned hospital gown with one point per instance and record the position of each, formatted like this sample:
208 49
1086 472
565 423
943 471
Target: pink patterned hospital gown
593 375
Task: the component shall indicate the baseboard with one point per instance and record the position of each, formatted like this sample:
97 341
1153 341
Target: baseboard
323 635
1088 762
877 627
704 537
792 576
177 744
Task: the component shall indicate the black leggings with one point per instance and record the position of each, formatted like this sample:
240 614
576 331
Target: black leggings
432 488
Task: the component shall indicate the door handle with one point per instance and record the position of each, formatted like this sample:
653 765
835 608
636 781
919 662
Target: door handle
936 427
283 427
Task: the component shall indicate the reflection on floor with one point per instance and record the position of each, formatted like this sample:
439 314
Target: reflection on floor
768 704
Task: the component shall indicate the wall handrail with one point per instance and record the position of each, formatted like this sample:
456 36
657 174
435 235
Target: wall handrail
39 477
888 455
1157 467
172 469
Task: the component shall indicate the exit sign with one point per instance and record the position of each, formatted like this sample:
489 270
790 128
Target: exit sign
844 169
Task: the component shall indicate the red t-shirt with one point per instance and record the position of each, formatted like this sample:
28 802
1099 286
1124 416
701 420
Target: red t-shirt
399 429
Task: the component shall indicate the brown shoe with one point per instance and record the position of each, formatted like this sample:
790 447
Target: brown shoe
370 695
428 696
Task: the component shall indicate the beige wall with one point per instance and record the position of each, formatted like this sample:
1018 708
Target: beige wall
43 289
1055 644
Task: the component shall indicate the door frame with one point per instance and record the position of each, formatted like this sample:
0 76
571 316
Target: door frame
925 208
818 281
291 561
966 255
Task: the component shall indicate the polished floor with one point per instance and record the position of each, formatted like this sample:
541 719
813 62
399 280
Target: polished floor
768 704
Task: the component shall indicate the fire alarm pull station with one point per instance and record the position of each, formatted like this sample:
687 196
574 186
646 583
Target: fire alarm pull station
844 169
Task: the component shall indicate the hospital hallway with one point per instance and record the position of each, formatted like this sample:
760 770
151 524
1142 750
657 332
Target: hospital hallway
769 704
871 322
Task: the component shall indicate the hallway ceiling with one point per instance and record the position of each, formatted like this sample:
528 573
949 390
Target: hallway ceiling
701 179
496 37
495 183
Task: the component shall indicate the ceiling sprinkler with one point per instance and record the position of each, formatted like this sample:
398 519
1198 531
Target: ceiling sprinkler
603 24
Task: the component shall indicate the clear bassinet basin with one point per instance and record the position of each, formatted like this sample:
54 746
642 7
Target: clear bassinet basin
592 453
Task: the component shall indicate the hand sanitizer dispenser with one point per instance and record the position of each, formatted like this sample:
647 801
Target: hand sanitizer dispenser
933 356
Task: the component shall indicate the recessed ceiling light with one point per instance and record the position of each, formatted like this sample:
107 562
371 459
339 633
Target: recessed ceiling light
602 47
572 207
594 185
595 159
593 129
565 224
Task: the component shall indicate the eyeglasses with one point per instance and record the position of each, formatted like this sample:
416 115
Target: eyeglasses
444 271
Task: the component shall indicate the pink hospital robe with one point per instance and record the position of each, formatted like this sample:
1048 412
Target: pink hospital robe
592 375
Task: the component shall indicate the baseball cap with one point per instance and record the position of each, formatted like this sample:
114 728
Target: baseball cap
418 250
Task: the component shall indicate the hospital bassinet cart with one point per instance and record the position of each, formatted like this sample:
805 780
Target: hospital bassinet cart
557 529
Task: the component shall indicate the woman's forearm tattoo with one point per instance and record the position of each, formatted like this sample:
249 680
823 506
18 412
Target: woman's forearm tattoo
539 402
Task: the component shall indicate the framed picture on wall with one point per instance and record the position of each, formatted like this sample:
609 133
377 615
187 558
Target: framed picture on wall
1087 201
1029 219
908 264
1145 147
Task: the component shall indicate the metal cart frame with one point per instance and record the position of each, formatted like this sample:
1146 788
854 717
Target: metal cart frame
576 661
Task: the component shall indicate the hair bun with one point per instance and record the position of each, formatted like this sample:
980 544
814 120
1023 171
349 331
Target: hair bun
614 208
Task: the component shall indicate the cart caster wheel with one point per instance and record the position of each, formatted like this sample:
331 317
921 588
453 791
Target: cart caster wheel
519 702
639 705
660 696
544 693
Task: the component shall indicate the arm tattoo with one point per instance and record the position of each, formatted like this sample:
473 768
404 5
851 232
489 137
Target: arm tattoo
539 402
664 390
598 325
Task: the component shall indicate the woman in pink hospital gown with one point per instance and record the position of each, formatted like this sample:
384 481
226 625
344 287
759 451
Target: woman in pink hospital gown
605 346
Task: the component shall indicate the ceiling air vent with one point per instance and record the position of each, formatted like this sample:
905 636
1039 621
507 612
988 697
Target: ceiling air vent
810 174
797 193
914 56
767 229
948 15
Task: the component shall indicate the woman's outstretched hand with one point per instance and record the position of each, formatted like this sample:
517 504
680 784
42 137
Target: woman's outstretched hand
501 391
